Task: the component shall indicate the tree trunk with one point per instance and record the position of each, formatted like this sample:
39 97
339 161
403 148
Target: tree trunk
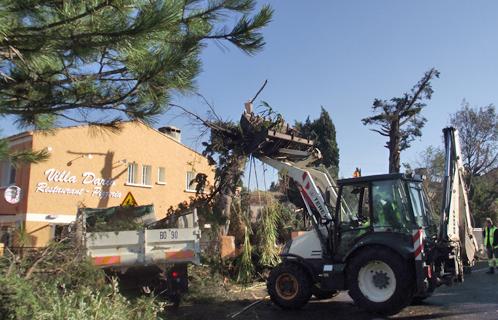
394 141
229 182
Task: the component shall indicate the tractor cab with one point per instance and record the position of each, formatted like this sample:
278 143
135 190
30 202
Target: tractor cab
392 205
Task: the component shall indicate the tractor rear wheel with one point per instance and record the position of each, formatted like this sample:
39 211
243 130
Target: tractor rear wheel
289 286
380 281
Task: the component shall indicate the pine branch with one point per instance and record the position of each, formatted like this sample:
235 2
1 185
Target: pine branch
90 11
110 56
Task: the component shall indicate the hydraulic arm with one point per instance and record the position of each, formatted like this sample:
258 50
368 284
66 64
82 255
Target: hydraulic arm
455 221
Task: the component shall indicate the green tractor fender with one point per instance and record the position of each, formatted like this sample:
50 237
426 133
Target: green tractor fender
397 242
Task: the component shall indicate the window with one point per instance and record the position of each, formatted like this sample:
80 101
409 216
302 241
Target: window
6 236
132 173
161 175
58 232
354 205
7 174
391 207
420 211
190 181
146 174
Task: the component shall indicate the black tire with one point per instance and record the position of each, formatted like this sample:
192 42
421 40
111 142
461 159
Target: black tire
321 294
419 300
289 286
427 294
373 259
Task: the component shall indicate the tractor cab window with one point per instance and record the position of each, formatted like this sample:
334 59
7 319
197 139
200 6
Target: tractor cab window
417 203
355 211
420 204
391 208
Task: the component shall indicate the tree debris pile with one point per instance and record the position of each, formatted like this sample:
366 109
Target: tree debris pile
117 218
59 283
270 135
261 134
225 208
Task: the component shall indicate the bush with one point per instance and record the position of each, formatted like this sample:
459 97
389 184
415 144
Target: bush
59 283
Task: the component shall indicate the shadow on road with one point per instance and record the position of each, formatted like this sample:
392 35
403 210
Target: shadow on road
476 298
337 310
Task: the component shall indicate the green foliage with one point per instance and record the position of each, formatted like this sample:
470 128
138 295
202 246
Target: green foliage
322 130
399 119
21 157
226 145
484 197
478 131
289 221
27 156
206 283
59 283
18 299
21 236
246 266
116 218
431 165
267 235
483 189
122 58
117 225
22 300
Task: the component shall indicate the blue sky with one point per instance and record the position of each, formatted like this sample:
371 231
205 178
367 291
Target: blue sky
344 54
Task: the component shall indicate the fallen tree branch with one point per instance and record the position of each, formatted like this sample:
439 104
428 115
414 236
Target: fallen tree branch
259 91
35 264
238 313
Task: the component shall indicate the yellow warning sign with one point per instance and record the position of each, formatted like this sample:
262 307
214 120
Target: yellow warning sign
129 201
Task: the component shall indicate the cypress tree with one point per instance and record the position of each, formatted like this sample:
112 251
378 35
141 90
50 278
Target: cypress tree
322 130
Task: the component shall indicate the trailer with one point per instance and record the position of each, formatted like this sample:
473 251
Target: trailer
125 241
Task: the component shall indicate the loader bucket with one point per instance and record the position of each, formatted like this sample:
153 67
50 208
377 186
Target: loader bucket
273 139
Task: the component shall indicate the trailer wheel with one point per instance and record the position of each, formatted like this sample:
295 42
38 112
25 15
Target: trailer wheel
289 286
380 281
175 299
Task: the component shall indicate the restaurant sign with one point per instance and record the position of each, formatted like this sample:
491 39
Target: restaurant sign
87 183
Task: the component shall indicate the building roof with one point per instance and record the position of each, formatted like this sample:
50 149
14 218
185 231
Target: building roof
20 135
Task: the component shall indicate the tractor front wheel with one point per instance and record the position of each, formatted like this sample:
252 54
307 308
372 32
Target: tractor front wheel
289 286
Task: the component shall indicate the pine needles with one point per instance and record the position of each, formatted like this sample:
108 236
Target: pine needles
122 59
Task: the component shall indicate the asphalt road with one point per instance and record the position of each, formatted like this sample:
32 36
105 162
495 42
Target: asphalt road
476 298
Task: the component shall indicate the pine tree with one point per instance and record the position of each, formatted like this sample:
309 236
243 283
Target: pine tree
399 119
103 61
